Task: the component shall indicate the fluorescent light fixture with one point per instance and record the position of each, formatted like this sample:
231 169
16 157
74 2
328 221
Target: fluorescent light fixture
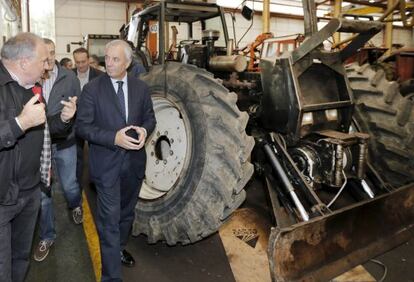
331 114
307 119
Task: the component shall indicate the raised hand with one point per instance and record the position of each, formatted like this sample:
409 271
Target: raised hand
32 114
69 109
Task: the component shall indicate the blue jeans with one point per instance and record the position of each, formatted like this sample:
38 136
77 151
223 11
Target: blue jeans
65 164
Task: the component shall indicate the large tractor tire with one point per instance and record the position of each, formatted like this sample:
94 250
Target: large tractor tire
388 116
198 156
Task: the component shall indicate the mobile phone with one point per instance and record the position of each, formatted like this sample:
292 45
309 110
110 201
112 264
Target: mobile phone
132 133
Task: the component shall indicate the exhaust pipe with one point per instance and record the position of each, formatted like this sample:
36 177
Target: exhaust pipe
234 63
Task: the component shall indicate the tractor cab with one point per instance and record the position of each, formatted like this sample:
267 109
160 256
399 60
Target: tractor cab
191 33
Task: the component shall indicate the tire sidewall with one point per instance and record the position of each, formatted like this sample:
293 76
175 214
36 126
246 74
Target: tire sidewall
182 94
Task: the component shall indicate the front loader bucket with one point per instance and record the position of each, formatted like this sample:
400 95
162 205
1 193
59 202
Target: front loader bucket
326 246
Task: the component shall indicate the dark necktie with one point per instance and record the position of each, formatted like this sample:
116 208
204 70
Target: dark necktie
121 97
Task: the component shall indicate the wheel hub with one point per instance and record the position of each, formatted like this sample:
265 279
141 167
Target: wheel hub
166 150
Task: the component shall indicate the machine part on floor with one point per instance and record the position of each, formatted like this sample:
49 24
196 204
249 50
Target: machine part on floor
320 176
320 248
194 182
385 113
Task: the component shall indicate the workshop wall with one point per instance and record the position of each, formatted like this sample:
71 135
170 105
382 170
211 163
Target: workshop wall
75 19
9 23
280 26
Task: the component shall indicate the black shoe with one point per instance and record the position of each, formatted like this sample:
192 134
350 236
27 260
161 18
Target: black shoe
127 259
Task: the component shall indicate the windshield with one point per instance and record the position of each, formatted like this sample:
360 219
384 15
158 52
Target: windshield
184 31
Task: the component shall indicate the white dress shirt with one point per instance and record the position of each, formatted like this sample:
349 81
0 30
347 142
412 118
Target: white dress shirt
83 77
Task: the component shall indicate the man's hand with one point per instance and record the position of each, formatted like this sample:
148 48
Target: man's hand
69 109
124 141
141 135
32 114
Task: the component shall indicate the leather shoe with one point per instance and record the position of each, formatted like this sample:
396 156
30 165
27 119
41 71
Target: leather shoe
127 259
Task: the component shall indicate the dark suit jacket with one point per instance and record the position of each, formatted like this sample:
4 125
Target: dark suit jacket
66 85
98 119
92 73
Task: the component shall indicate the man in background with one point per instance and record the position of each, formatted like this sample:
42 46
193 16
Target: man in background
83 70
85 73
66 63
59 84
94 62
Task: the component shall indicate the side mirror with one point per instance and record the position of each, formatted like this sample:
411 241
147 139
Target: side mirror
247 13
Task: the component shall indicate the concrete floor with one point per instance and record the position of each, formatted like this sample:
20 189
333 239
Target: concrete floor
69 258
204 261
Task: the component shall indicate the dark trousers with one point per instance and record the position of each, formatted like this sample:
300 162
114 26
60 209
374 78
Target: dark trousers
17 224
80 144
115 206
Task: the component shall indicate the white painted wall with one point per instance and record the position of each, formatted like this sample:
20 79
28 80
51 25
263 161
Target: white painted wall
403 36
285 26
75 19
9 24
279 27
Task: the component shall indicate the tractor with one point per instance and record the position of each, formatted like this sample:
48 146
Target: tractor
298 123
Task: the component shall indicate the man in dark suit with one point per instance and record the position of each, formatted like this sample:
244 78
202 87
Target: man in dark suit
115 116
85 73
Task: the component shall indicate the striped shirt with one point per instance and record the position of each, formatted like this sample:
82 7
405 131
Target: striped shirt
48 83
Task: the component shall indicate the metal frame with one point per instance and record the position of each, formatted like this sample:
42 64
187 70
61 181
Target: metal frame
186 12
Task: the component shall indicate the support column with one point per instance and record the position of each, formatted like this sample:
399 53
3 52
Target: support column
310 19
389 29
337 14
266 16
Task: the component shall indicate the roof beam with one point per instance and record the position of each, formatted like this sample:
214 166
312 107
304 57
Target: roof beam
364 11
367 3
